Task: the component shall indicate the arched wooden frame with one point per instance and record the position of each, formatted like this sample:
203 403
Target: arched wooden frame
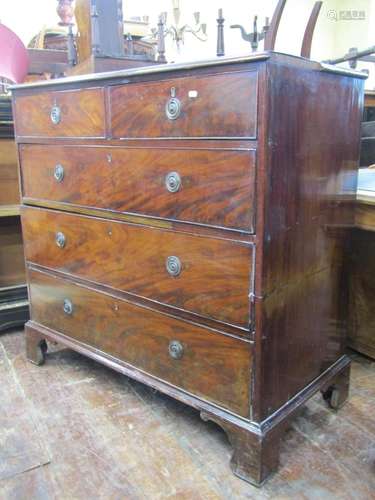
309 31
270 38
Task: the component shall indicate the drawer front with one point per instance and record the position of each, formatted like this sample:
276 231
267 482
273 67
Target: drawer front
206 276
212 187
208 364
209 106
71 113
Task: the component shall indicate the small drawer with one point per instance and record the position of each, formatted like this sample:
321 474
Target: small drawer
207 276
210 187
70 113
208 364
215 106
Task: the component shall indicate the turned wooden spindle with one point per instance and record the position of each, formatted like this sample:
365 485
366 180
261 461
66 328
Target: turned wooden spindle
161 40
220 50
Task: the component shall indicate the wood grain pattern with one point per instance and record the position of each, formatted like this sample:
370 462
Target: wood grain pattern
82 114
84 38
9 188
213 366
132 180
214 282
225 106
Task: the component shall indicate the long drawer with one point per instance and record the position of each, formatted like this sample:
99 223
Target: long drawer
68 113
214 106
207 276
207 364
211 187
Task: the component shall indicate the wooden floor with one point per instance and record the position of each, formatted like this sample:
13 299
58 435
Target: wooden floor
73 429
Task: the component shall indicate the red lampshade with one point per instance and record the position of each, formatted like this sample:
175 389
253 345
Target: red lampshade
14 60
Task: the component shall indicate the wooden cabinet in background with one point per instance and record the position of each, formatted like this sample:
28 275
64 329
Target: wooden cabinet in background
186 226
9 188
362 255
362 287
13 291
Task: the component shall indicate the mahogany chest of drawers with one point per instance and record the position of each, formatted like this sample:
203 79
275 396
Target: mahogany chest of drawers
186 225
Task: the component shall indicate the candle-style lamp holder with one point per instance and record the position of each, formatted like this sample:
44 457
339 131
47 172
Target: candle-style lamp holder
178 31
269 31
255 36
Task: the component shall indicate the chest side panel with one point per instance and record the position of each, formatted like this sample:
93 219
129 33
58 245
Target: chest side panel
309 192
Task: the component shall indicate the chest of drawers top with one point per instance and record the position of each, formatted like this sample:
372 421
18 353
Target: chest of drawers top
216 100
213 106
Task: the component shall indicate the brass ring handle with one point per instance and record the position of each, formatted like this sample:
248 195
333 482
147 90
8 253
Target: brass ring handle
173 182
173 108
173 265
59 173
68 307
60 240
55 114
175 349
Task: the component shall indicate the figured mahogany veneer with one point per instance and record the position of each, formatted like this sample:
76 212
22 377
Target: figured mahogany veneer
213 366
82 114
133 180
263 152
215 278
213 106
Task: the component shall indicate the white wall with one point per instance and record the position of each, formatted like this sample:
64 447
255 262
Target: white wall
291 28
28 17
360 34
332 38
